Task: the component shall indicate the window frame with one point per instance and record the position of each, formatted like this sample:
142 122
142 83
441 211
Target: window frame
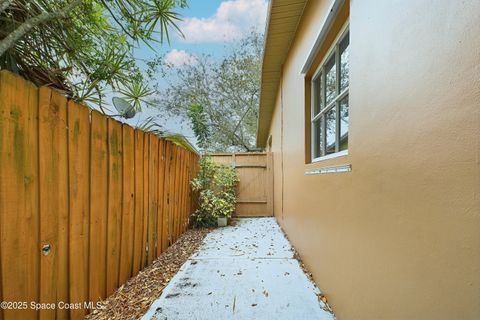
335 103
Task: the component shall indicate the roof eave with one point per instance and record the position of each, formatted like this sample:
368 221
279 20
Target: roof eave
282 22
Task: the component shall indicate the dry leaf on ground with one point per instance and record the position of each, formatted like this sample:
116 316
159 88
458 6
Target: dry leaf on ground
134 298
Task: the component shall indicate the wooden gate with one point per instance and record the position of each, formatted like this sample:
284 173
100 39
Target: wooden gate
255 191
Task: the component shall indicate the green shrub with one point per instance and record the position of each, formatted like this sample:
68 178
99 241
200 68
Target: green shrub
216 184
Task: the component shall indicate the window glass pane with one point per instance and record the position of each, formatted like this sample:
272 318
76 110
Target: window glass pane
331 79
317 137
344 63
344 123
317 95
331 130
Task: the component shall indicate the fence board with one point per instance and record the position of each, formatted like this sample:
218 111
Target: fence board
166 187
171 193
182 191
19 221
176 217
53 175
93 192
114 220
78 156
63 217
98 207
128 211
183 194
187 192
146 185
138 224
156 182
175 194
152 200
161 185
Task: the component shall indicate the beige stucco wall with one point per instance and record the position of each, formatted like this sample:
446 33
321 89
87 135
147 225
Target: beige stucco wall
399 236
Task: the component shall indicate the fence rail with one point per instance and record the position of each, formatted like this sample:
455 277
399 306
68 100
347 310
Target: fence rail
85 201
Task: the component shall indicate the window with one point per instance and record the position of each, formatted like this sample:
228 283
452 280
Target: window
329 108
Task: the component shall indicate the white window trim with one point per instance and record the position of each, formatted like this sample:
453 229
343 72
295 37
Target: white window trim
313 118
338 154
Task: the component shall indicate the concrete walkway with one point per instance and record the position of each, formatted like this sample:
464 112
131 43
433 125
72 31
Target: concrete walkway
241 272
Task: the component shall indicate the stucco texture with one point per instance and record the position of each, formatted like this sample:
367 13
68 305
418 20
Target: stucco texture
399 236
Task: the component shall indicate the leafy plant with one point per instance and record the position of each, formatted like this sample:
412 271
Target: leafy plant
216 184
85 47
198 119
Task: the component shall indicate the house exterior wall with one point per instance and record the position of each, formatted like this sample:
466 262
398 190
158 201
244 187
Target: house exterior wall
399 236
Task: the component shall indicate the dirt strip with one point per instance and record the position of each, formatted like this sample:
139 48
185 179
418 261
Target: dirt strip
134 298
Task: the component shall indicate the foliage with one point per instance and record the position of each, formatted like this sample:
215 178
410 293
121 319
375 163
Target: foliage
180 141
84 47
198 119
220 97
216 184
151 124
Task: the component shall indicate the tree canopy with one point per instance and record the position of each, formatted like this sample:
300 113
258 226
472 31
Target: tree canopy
219 97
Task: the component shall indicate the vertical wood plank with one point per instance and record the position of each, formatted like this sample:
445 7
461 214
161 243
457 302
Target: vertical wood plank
171 193
176 194
161 185
178 182
191 194
146 185
114 220
128 211
269 183
154 212
188 192
152 200
138 226
195 170
98 207
166 190
185 193
79 176
53 175
182 192
19 193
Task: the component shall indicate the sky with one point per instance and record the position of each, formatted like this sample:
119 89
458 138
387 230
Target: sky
209 27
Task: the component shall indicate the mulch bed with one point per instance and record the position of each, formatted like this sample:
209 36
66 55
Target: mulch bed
134 298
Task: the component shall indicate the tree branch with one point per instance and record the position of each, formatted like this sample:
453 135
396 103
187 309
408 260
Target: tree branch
117 21
31 23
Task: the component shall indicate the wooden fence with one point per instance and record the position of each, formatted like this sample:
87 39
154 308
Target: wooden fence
255 190
85 201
